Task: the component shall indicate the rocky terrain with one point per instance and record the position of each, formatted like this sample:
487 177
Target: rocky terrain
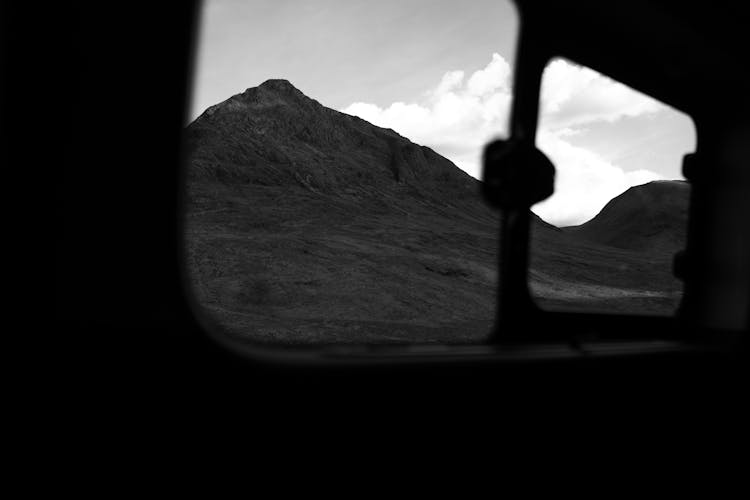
306 225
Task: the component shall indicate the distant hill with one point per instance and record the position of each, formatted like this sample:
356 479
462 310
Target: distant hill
308 225
650 217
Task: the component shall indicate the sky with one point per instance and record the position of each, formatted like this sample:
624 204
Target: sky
439 72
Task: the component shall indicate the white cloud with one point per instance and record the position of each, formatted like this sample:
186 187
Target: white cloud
575 95
459 116
584 182
450 81
496 76
572 97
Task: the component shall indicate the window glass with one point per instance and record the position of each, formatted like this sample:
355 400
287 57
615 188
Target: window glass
333 152
605 241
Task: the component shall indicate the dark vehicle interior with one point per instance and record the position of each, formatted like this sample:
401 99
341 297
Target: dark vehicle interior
121 92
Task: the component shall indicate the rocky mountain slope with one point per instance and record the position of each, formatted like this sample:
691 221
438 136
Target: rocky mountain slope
307 225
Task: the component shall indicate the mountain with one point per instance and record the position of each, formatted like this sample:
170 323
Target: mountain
621 260
286 138
308 225
650 217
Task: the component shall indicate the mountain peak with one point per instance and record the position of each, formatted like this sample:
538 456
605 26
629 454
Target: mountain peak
270 92
278 85
276 89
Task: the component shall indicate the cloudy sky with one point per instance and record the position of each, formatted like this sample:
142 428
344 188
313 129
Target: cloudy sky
439 73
